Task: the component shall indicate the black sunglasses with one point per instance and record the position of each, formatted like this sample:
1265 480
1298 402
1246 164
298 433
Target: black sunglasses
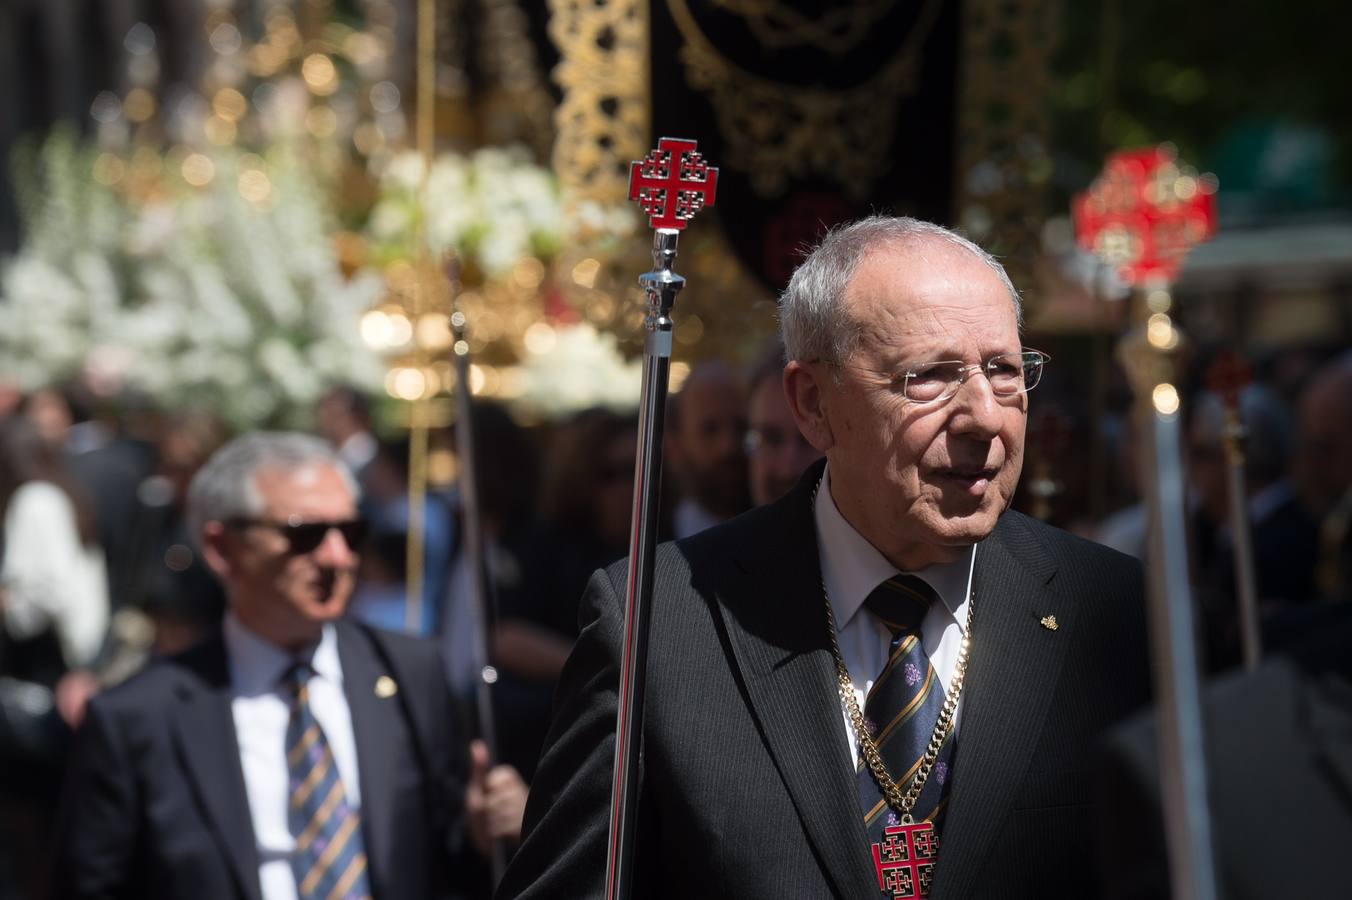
304 537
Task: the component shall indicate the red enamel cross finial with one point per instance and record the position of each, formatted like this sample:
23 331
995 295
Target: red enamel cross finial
1052 429
672 183
1228 375
1144 213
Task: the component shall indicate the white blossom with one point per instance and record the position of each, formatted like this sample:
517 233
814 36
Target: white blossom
198 295
584 368
493 209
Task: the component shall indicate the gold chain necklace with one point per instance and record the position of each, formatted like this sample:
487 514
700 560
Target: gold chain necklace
899 800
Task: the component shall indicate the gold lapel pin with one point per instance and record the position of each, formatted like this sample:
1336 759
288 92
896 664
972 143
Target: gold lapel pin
385 687
1049 623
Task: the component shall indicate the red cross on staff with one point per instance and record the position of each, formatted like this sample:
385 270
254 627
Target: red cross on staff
1228 375
1144 213
672 183
1142 216
1052 430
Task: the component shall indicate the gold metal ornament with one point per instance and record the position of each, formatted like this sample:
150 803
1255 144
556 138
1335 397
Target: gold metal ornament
774 131
603 120
1003 163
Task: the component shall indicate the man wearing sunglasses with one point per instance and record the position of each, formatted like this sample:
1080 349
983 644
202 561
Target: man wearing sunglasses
296 754
884 683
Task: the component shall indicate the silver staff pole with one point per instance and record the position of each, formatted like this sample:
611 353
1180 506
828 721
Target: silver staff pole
1148 354
1142 215
474 558
1246 580
671 184
1228 379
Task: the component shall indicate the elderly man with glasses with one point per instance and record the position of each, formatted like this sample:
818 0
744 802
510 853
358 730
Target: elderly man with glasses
885 683
295 755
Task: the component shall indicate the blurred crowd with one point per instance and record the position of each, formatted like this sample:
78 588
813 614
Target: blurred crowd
1290 428
99 572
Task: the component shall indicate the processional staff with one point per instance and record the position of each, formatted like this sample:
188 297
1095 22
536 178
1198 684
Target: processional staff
473 552
481 606
1227 376
1141 217
671 185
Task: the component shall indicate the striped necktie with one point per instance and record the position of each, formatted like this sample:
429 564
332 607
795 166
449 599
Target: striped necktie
329 862
902 708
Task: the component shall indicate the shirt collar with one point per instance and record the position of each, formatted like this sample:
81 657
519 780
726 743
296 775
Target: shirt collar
691 517
257 666
852 567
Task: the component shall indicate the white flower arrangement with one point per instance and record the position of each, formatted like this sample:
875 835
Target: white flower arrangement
233 299
583 368
493 208
192 293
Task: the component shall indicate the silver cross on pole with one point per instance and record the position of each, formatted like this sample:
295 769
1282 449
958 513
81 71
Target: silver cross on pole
671 184
1143 214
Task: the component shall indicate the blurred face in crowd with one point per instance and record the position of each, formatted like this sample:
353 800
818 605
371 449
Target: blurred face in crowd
336 420
1324 445
1207 470
50 414
920 481
184 445
11 396
282 588
777 451
614 497
707 451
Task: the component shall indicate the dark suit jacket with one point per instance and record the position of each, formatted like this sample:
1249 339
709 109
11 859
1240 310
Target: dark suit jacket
155 806
747 786
1279 782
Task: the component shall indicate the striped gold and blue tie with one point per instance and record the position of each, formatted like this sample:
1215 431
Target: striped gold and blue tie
902 708
328 861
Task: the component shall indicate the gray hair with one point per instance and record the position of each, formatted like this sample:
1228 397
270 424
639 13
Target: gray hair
224 488
812 314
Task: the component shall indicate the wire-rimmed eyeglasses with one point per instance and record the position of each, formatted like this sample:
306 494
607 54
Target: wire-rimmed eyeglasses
933 382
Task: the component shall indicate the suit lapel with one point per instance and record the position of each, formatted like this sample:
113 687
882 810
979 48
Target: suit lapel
375 719
1010 681
776 619
204 737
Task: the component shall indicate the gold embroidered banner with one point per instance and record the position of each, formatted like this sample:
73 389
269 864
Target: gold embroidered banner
817 112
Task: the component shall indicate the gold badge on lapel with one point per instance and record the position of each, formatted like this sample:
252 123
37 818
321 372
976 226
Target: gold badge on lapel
385 687
1049 623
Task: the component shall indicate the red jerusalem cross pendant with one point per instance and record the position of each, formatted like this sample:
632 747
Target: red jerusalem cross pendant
905 860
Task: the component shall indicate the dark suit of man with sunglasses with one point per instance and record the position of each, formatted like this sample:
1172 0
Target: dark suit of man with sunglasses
296 754
801 653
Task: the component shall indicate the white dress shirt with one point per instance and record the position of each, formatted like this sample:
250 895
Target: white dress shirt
262 710
691 518
851 569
